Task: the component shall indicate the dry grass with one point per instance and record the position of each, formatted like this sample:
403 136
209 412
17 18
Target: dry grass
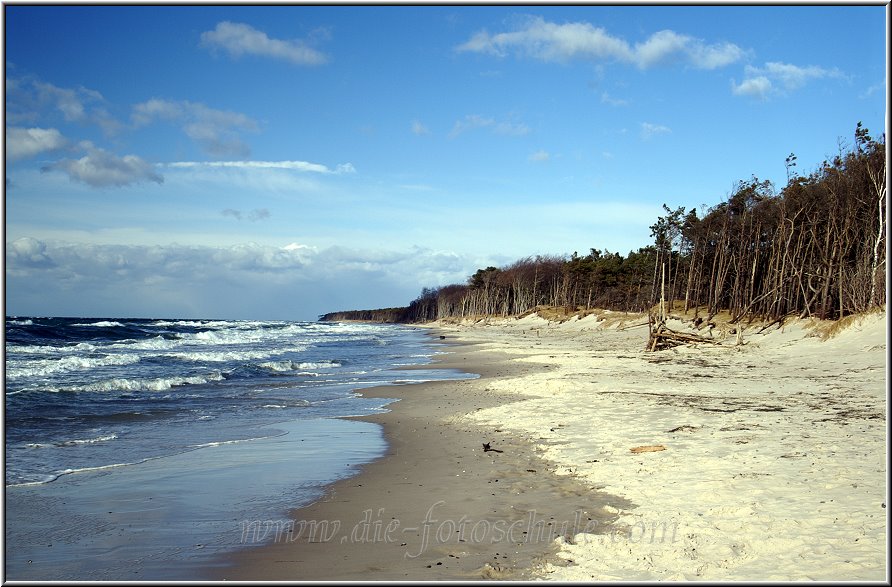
823 329
827 329
606 318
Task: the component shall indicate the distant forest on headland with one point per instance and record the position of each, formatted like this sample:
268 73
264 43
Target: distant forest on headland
815 249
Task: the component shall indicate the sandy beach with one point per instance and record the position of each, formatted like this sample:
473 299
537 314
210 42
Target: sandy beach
762 458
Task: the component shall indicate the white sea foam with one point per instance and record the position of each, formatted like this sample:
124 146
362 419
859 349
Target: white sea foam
235 441
100 324
157 384
44 367
288 365
75 442
83 347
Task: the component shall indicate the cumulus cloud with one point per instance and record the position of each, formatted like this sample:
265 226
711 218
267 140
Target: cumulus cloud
99 168
305 166
27 252
239 39
758 86
29 99
776 77
198 281
650 130
216 131
547 41
551 42
27 142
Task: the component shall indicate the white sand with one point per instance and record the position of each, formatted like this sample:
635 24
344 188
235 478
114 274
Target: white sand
775 458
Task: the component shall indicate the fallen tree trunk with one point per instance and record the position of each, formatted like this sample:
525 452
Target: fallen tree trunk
663 337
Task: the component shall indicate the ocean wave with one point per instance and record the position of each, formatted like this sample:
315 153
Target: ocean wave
234 441
298 403
289 365
217 357
100 324
75 442
81 347
157 384
44 367
50 477
231 355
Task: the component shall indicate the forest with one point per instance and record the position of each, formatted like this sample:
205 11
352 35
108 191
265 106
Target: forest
816 248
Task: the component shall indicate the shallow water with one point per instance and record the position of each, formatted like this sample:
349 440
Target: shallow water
111 475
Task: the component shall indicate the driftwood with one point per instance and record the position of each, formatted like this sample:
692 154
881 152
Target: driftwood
663 337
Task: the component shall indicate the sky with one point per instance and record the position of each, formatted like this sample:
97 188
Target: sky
283 161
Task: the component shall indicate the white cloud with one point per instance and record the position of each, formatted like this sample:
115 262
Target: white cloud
66 278
27 142
470 121
540 156
608 99
252 216
475 121
793 76
99 168
649 130
551 42
872 90
661 46
304 166
515 129
547 41
241 39
419 129
217 131
759 87
29 99
28 252
714 56
776 77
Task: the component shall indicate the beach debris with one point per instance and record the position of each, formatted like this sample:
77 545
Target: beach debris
488 448
684 428
648 448
494 571
663 337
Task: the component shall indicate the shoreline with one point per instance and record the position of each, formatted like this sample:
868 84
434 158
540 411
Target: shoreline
760 459
436 506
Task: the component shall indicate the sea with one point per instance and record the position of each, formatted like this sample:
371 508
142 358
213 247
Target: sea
142 449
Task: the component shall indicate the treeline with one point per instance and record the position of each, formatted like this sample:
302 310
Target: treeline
817 248
381 315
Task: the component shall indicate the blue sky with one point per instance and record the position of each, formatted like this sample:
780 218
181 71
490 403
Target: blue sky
279 162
